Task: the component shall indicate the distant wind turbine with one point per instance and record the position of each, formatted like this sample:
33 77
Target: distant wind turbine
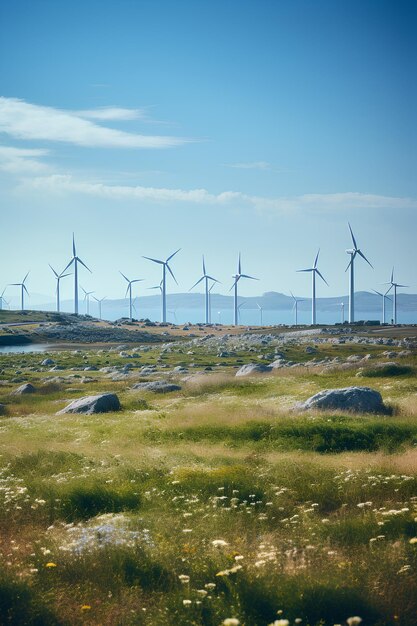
23 290
165 267
314 271
129 291
353 252
75 259
260 313
295 306
58 278
342 311
384 297
237 277
87 295
99 301
2 299
395 285
206 279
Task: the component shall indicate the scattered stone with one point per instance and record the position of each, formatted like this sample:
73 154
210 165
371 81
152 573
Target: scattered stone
158 386
311 350
48 362
102 403
355 399
24 389
253 368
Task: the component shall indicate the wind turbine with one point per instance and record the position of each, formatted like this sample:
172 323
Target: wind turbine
395 285
209 300
342 311
23 289
129 291
58 278
384 296
295 305
87 295
314 271
2 299
75 259
237 277
260 312
239 307
165 267
99 300
353 252
206 278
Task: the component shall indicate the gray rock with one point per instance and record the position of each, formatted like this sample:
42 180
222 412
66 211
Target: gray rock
158 386
48 362
24 389
355 399
252 368
103 403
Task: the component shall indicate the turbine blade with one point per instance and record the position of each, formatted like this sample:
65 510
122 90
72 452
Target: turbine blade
322 277
63 275
236 281
137 280
364 257
171 272
204 267
310 269
65 269
211 278
25 277
74 252
239 266
378 292
172 255
127 291
53 270
247 276
292 295
392 275
398 285
24 287
195 284
353 237
316 259
154 260
125 277
82 263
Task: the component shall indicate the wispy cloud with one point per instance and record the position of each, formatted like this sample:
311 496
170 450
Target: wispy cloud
112 113
307 202
255 165
22 160
22 120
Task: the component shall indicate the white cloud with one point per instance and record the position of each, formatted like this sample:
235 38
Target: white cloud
255 165
22 120
21 160
311 202
112 113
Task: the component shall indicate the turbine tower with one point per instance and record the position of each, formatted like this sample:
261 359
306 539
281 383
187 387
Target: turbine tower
353 252
129 291
75 259
295 306
99 301
260 313
395 285
165 267
237 277
206 278
58 278
2 299
87 295
209 299
314 271
23 290
384 297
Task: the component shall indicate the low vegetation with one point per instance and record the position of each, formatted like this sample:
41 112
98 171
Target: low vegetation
215 504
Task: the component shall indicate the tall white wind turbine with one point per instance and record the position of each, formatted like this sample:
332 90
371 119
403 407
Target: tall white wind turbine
165 267
237 278
314 270
206 279
58 278
23 290
87 295
395 285
99 301
129 291
295 306
2 299
260 313
353 252
384 297
75 259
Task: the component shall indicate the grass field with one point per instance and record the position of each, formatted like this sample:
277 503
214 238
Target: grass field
216 504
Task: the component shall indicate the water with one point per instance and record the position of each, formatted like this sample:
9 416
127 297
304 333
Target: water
29 347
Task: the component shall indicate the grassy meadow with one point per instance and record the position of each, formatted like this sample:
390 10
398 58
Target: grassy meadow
216 504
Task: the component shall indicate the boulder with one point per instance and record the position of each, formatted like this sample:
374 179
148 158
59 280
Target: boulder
355 399
158 386
48 362
102 403
23 389
253 368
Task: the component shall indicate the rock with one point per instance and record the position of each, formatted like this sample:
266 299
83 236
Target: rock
102 403
90 368
23 389
158 386
278 363
356 399
179 369
311 350
252 368
48 362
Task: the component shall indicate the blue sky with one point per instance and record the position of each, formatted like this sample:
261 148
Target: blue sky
216 126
